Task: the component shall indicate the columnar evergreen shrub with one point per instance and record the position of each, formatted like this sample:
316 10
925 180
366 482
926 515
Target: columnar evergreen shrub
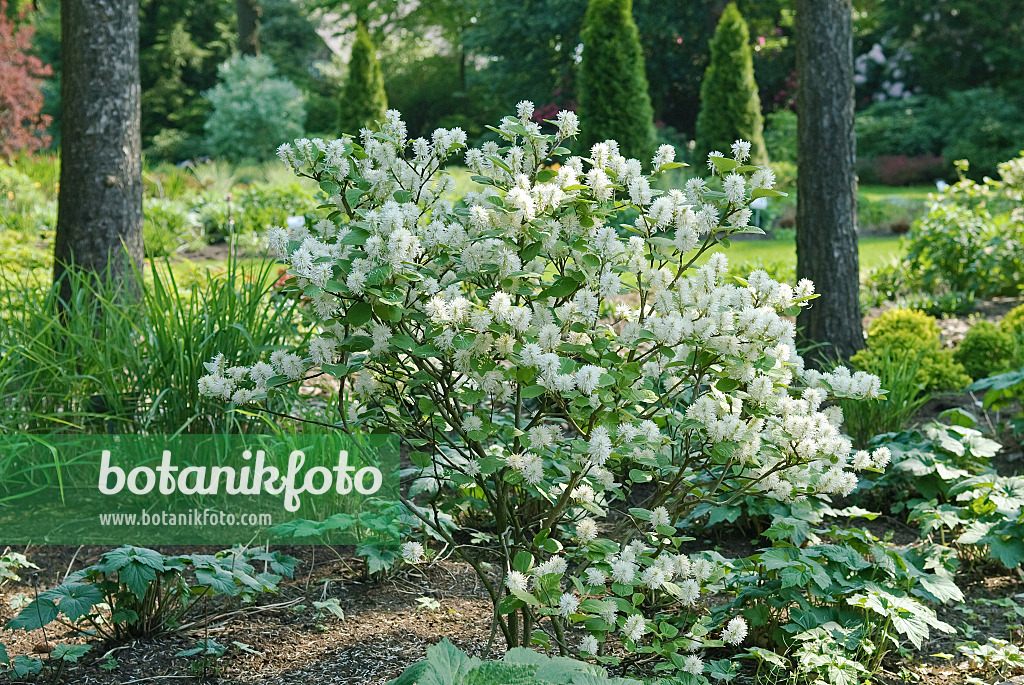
613 100
730 107
544 346
363 100
252 108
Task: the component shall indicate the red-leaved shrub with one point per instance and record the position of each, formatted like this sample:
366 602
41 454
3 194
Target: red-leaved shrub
22 127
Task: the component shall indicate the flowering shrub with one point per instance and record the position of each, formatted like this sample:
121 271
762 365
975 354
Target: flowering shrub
560 368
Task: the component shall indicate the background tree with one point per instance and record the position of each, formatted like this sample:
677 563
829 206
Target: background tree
22 127
254 110
730 107
955 44
181 44
613 98
363 99
826 210
249 13
99 212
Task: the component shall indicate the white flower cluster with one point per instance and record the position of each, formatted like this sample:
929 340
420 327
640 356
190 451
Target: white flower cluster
549 332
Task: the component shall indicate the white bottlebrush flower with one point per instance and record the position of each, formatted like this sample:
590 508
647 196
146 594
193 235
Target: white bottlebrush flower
291 366
516 581
689 592
554 565
664 155
693 664
596 577
624 571
587 379
323 350
586 530
588 645
634 628
735 187
472 423
413 552
567 604
741 150
659 517
736 631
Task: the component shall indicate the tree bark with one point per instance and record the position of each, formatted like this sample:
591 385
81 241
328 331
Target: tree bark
826 211
99 213
249 13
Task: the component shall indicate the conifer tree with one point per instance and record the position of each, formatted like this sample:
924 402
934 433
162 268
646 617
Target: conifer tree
613 98
730 107
363 100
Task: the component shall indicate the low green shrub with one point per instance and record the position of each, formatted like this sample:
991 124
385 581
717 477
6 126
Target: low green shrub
902 333
253 109
24 206
986 350
254 208
780 136
1013 322
168 225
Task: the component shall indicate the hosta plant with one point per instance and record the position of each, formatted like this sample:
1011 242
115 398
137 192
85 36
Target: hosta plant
571 370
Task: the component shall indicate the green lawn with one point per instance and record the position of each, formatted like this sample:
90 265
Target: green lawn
874 251
875 193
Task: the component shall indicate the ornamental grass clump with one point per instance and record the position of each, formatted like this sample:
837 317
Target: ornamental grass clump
544 347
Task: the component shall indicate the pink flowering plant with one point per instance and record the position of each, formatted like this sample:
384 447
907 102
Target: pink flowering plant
571 372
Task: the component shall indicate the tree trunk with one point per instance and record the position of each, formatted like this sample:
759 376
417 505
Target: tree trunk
249 13
826 210
99 215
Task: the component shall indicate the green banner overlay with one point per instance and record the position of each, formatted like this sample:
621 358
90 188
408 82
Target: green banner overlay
196 489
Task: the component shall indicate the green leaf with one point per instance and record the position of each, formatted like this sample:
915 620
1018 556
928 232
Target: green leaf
532 391
4 659
217 579
765 192
450 664
522 561
23 666
563 287
74 599
723 164
509 604
353 195
69 653
38 613
379 557
359 314
378 274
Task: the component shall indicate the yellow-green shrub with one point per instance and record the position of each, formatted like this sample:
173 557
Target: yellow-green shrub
986 350
900 333
1013 322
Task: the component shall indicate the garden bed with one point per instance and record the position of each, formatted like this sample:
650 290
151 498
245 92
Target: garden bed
389 624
